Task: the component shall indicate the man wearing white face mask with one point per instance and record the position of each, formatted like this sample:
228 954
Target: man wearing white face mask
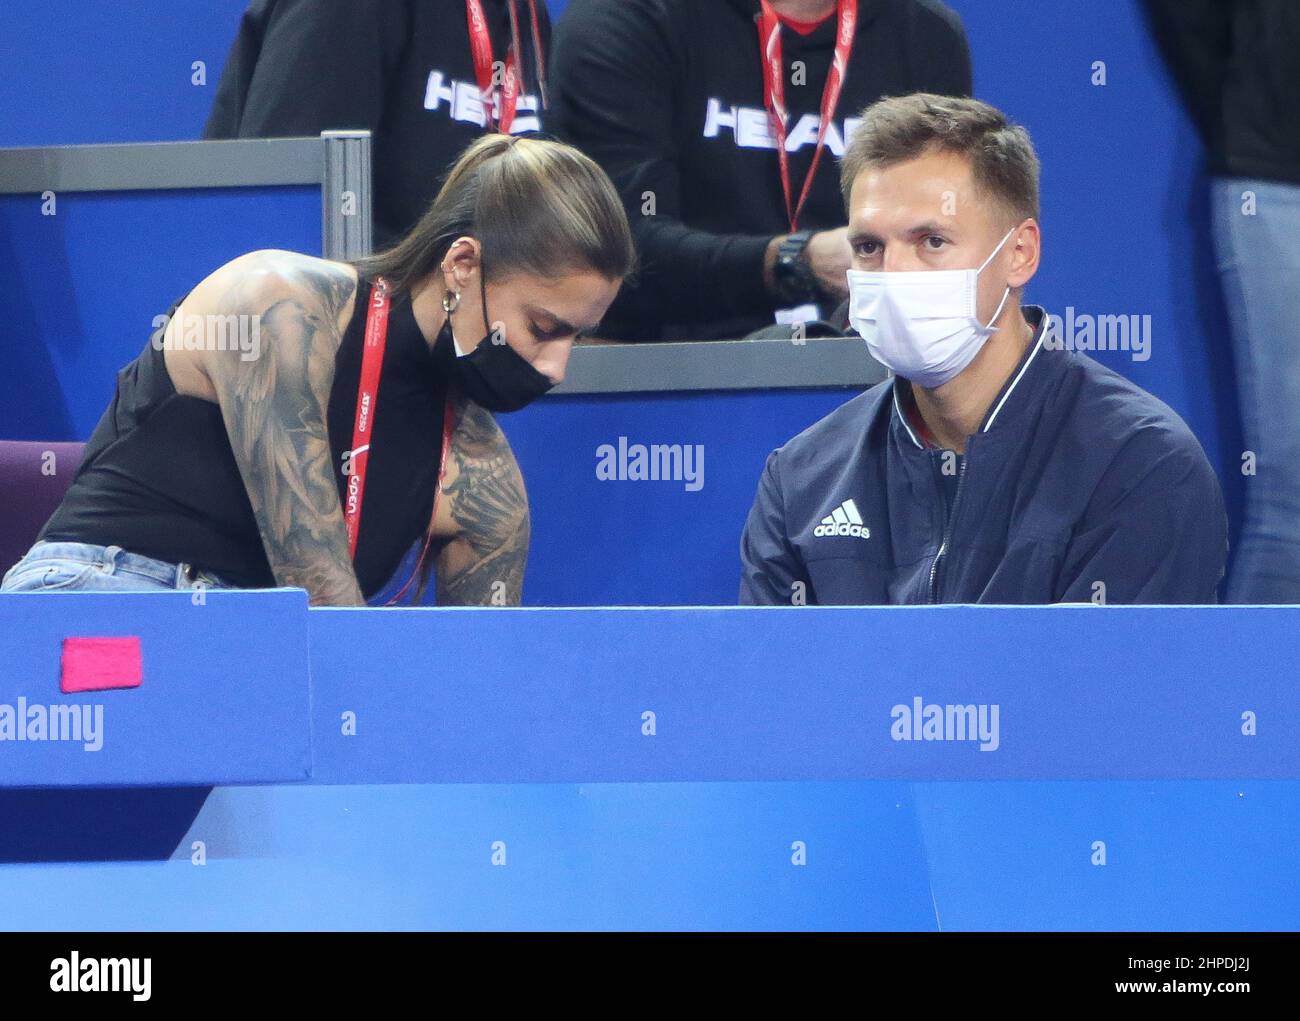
994 466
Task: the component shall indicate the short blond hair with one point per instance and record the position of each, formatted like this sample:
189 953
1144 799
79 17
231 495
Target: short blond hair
1003 163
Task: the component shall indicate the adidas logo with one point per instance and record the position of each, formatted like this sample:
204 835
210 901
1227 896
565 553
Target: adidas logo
843 520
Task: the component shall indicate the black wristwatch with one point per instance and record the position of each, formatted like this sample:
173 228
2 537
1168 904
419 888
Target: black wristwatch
795 282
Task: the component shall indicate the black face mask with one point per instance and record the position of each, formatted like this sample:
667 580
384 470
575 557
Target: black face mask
493 375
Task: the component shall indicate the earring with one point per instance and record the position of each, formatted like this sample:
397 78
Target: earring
451 301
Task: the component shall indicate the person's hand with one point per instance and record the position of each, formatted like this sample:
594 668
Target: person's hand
831 257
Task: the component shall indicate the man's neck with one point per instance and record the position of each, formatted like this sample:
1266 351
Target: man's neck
804 10
955 411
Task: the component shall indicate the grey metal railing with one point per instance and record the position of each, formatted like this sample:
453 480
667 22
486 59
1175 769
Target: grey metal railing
338 162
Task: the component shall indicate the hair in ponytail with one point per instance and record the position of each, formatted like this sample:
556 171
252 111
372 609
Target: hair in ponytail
536 206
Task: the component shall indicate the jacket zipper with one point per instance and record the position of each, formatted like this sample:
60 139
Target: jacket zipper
947 528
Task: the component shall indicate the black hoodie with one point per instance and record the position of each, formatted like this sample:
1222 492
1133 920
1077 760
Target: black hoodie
667 95
1237 64
401 68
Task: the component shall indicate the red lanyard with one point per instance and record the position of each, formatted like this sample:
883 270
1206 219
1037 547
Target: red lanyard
480 44
372 358
769 41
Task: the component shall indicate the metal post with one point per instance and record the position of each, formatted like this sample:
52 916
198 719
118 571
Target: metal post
346 224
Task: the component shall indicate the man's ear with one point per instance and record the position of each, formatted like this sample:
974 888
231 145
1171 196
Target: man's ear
461 264
1026 250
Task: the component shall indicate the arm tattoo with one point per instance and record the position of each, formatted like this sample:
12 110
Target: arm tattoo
484 565
275 412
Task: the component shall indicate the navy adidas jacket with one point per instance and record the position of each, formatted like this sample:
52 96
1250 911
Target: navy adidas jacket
1079 487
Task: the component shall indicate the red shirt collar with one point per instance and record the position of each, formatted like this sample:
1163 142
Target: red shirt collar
917 423
804 27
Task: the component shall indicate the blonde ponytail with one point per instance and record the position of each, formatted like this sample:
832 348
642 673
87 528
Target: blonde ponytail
535 206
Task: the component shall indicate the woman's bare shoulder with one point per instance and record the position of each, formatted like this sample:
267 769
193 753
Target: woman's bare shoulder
288 295
254 282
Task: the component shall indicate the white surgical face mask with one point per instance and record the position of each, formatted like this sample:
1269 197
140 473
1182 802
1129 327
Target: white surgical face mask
922 325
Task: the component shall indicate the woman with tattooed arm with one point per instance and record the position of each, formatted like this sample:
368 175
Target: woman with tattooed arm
308 450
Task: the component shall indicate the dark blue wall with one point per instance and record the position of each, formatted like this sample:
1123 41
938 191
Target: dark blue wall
82 287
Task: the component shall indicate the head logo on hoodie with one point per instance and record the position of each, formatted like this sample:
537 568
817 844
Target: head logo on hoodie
751 128
464 102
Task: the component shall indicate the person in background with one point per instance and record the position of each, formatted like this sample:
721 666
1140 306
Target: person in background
1237 64
720 122
425 77
995 465
356 423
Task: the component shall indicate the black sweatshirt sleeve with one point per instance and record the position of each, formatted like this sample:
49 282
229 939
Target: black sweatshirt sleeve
614 96
1195 40
318 65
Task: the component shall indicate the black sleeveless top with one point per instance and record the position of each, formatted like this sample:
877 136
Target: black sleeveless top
159 478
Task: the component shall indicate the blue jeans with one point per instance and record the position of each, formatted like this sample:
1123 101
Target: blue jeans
82 567
1259 265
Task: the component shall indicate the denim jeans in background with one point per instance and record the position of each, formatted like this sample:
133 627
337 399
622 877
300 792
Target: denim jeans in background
1258 258
82 567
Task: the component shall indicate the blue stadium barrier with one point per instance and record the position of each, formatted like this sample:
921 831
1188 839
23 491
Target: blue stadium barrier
223 699
1146 775
807 693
